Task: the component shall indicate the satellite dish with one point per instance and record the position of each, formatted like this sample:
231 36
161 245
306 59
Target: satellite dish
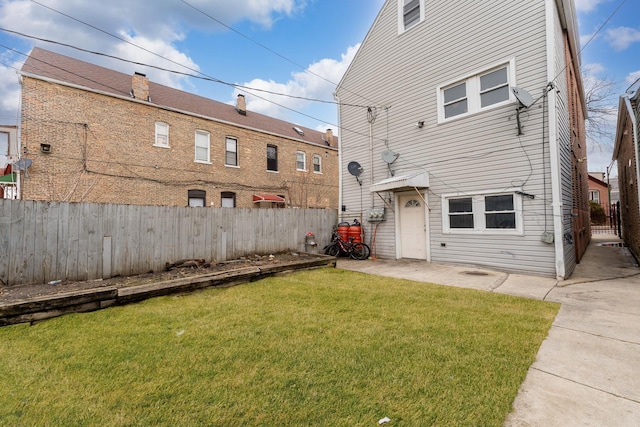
23 164
389 156
354 169
524 98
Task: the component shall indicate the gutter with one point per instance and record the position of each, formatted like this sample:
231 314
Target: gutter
340 185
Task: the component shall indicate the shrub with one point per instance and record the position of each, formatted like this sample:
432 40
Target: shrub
598 215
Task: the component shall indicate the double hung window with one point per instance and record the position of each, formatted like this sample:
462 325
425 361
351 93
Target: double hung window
162 135
202 146
301 161
317 163
231 152
482 213
480 91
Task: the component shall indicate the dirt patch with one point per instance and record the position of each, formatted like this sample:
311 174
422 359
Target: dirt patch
24 292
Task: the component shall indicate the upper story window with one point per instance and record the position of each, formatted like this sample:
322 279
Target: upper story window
317 163
301 161
272 158
410 13
482 213
162 135
202 147
480 91
231 152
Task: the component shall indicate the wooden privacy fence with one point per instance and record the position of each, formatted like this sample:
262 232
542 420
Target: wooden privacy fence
46 241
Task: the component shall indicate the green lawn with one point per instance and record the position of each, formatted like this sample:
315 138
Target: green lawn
323 347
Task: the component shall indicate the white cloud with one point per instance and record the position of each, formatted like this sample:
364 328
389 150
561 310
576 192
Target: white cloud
620 38
156 52
159 26
586 38
587 5
632 77
318 81
9 92
593 69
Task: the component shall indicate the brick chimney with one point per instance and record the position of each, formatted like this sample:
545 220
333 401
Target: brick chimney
241 105
140 86
328 136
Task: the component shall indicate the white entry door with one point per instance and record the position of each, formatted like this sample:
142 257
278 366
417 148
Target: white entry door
412 224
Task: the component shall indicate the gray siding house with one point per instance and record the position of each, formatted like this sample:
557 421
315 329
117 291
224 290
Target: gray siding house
462 135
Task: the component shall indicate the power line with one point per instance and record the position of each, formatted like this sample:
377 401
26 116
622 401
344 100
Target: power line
182 65
593 36
211 79
207 77
267 48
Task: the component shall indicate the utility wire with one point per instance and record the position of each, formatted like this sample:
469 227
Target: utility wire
267 48
210 79
193 69
593 36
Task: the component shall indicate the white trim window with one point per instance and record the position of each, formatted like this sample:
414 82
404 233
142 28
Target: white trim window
410 13
492 213
481 91
162 135
203 149
317 163
301 161
231 152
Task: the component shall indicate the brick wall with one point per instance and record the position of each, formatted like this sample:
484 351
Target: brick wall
580 178
102 151
629 207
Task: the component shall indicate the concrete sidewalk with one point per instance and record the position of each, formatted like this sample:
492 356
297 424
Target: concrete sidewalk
587 371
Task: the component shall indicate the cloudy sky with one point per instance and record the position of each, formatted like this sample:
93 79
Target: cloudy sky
296 47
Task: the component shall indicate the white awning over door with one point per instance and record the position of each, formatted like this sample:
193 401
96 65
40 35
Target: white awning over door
413 180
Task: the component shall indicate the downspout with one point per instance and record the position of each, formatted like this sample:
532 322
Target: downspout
554 148
340 186
634 124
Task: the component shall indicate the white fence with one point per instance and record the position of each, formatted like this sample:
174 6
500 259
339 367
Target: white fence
45 241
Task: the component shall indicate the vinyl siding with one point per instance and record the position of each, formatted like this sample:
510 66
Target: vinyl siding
469 155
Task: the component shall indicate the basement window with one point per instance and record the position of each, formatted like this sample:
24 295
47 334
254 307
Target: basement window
197 198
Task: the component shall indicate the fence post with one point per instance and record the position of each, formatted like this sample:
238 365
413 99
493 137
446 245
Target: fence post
618 219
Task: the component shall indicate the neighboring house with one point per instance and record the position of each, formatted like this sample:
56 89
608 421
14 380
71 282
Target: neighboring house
599 190
614 191
450 166
101 136
8 155
625 153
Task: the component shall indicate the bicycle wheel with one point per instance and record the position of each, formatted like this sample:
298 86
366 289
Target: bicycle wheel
332 250
359 251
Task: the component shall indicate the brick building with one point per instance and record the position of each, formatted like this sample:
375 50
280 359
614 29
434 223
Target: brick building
599 190
625 153
101 136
